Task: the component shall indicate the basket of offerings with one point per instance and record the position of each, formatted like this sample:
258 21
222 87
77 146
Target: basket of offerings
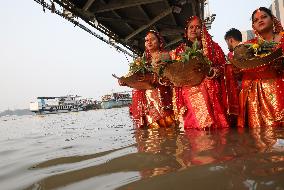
189 70
140 76
252 56
140 81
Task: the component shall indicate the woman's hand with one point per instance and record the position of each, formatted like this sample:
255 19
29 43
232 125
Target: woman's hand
213 73
159 59
165 81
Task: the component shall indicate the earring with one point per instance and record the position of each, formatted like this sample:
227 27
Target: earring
274 28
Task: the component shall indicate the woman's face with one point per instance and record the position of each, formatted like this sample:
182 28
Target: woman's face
262 22
151 42
194 30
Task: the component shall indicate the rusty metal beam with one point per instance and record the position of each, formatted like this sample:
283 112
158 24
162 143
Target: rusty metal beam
130 21
174 42
117 15
202 10
171 32
88 5
146 15
193 6
198 8
114 5
137 22
172 16
153 21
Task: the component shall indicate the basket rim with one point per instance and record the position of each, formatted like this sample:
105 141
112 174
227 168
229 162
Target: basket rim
257 62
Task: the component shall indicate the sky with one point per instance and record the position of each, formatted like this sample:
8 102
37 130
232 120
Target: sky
42 54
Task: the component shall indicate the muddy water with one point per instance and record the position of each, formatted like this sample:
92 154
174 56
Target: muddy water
101 150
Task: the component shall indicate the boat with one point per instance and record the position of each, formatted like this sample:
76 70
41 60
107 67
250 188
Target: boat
62 104
116 100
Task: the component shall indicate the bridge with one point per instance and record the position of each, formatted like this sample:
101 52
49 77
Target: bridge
123 23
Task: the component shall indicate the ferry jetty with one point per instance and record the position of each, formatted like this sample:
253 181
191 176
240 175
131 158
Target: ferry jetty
62 104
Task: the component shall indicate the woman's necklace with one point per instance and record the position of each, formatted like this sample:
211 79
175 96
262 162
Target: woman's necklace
273 38
269 40
155 57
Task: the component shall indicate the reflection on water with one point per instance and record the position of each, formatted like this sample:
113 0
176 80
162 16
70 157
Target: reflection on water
101 150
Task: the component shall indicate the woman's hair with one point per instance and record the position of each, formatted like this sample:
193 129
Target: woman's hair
264 9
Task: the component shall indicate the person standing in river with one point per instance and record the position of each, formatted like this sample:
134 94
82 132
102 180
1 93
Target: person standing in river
202 106
153 108
233 38
262 91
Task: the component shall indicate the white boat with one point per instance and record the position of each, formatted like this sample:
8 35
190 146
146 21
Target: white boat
116 100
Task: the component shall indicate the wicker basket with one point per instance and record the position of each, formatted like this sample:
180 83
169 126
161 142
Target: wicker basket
187 74
244 58
139 81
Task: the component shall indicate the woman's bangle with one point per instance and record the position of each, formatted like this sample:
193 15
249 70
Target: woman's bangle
212 73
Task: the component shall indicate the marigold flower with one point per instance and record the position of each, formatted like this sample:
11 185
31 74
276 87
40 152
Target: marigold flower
255 46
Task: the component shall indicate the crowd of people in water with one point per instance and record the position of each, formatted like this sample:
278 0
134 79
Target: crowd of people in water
227 96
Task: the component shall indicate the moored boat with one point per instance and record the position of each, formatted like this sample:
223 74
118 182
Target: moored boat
62 104
116 100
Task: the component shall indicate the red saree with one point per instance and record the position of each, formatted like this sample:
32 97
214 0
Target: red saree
262 96
152 108
202 106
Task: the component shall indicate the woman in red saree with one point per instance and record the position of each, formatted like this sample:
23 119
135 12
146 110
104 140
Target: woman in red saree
153 108
202 106
262 93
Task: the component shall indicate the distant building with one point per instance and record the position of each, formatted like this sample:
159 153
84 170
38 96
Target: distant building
247 35
277 8
208 17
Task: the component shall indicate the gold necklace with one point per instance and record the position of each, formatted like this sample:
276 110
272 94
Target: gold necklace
273 38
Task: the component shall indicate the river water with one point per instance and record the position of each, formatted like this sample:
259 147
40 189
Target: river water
100 149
